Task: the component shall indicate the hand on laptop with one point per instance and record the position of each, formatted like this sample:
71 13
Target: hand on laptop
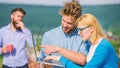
56 58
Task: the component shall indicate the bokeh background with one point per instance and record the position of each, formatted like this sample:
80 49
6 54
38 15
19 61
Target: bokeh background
42 15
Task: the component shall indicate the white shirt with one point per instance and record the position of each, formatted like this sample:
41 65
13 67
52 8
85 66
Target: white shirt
92 51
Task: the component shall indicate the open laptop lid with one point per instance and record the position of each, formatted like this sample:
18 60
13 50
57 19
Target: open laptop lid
41 60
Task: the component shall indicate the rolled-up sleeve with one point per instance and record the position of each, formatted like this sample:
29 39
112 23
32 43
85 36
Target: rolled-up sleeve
29 37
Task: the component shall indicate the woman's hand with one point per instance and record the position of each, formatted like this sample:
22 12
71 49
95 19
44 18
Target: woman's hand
56 58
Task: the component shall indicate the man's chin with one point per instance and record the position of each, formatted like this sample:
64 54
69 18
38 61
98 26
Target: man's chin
16 27
66 31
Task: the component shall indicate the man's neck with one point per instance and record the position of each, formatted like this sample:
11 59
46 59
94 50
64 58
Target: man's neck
12 27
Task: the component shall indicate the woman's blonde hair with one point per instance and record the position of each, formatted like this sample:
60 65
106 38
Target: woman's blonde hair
90 20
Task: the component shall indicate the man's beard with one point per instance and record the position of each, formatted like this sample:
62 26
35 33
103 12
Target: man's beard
68 30
15 24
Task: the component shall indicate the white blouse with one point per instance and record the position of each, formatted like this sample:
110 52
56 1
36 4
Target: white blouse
92 51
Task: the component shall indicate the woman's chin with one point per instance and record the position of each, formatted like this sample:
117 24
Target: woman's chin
83 39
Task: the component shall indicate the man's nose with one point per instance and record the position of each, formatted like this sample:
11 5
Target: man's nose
65 24
20 18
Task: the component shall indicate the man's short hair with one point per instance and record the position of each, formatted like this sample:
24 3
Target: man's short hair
72 8
18 9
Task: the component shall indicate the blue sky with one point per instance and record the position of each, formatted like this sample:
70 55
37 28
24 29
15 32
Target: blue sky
60 2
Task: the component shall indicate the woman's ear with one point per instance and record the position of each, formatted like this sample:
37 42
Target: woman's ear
91 29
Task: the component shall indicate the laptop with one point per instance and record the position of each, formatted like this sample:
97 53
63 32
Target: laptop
41 60
56 63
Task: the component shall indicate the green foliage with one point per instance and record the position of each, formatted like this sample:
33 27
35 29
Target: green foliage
38 18
108 15
119 61
116 45
1 61
116 31
38 43
43 18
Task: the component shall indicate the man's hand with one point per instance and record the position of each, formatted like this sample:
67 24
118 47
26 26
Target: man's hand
50 49
20 25
4 49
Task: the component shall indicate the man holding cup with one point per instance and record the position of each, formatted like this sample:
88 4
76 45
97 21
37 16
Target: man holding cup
13 40
10 48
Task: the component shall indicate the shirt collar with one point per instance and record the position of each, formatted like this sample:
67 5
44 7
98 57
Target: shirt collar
8 27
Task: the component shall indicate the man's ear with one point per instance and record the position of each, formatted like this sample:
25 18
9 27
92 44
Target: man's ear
11 16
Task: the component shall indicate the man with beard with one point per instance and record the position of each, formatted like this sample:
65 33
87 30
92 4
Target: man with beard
13 40
66 35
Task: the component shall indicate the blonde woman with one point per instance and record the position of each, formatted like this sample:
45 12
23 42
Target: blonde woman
101 53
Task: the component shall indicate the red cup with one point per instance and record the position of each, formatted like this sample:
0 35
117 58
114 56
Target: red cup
10 48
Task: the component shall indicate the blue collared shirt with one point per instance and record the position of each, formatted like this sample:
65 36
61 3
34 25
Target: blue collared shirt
19 39
57 37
